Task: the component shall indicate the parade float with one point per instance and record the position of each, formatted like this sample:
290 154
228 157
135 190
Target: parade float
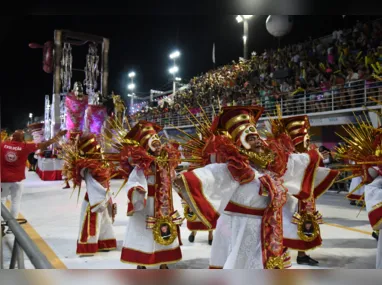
80 106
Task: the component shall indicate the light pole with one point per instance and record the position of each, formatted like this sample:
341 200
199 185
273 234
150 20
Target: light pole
244 19
31 117
131 87
173 70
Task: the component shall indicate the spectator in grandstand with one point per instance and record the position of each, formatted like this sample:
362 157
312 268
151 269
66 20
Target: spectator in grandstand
326 95
351 85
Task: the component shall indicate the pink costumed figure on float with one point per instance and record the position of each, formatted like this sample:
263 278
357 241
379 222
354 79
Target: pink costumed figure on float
76 103
96 116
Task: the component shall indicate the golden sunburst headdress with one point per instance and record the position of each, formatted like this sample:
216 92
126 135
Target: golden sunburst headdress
84 152
235 123
115 134
363 147
193 145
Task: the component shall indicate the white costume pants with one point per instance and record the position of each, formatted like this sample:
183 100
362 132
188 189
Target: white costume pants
15 191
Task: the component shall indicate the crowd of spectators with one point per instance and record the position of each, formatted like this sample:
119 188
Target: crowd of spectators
304 76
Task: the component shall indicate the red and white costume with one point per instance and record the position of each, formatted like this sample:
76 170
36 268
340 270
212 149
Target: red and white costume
373 199
317 180
364 150
149 192
249 232
97 211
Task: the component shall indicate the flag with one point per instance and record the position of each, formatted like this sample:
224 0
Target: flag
213 53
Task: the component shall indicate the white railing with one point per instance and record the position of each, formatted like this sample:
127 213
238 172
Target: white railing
347 98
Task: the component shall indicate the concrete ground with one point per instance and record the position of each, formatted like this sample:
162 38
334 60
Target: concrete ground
53 223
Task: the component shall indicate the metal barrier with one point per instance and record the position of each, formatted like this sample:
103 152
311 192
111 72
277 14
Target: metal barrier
350 97
22 243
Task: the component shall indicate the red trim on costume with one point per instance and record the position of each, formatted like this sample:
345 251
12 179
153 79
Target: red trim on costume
302 245
93 224
107 244
89 226
138 257
326 183
202 204
199 226
355 197
130 205
308 180
235 208
272 222
307 206
151 190
375 216
87 248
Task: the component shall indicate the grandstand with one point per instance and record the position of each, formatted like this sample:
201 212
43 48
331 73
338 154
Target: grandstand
327 78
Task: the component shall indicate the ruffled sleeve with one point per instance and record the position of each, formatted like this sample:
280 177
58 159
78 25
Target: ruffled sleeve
300 174
207 191
136 188
373 199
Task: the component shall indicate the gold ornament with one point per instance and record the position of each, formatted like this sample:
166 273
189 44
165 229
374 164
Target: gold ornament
188 214
164 230
260 159
307 227
275 263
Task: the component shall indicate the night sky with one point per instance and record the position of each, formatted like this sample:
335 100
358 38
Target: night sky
137 43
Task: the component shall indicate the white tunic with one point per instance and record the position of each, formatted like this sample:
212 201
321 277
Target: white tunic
139 246
237 240
373 199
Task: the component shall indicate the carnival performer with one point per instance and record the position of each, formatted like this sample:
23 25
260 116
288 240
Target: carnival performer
299 213
249 232
152 235
76 103
194 224
85 162
14 154
373 199
364 148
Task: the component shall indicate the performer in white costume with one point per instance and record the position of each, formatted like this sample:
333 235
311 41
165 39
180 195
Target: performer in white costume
299 212
85 162
152 235
249 233
373 199
364 148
